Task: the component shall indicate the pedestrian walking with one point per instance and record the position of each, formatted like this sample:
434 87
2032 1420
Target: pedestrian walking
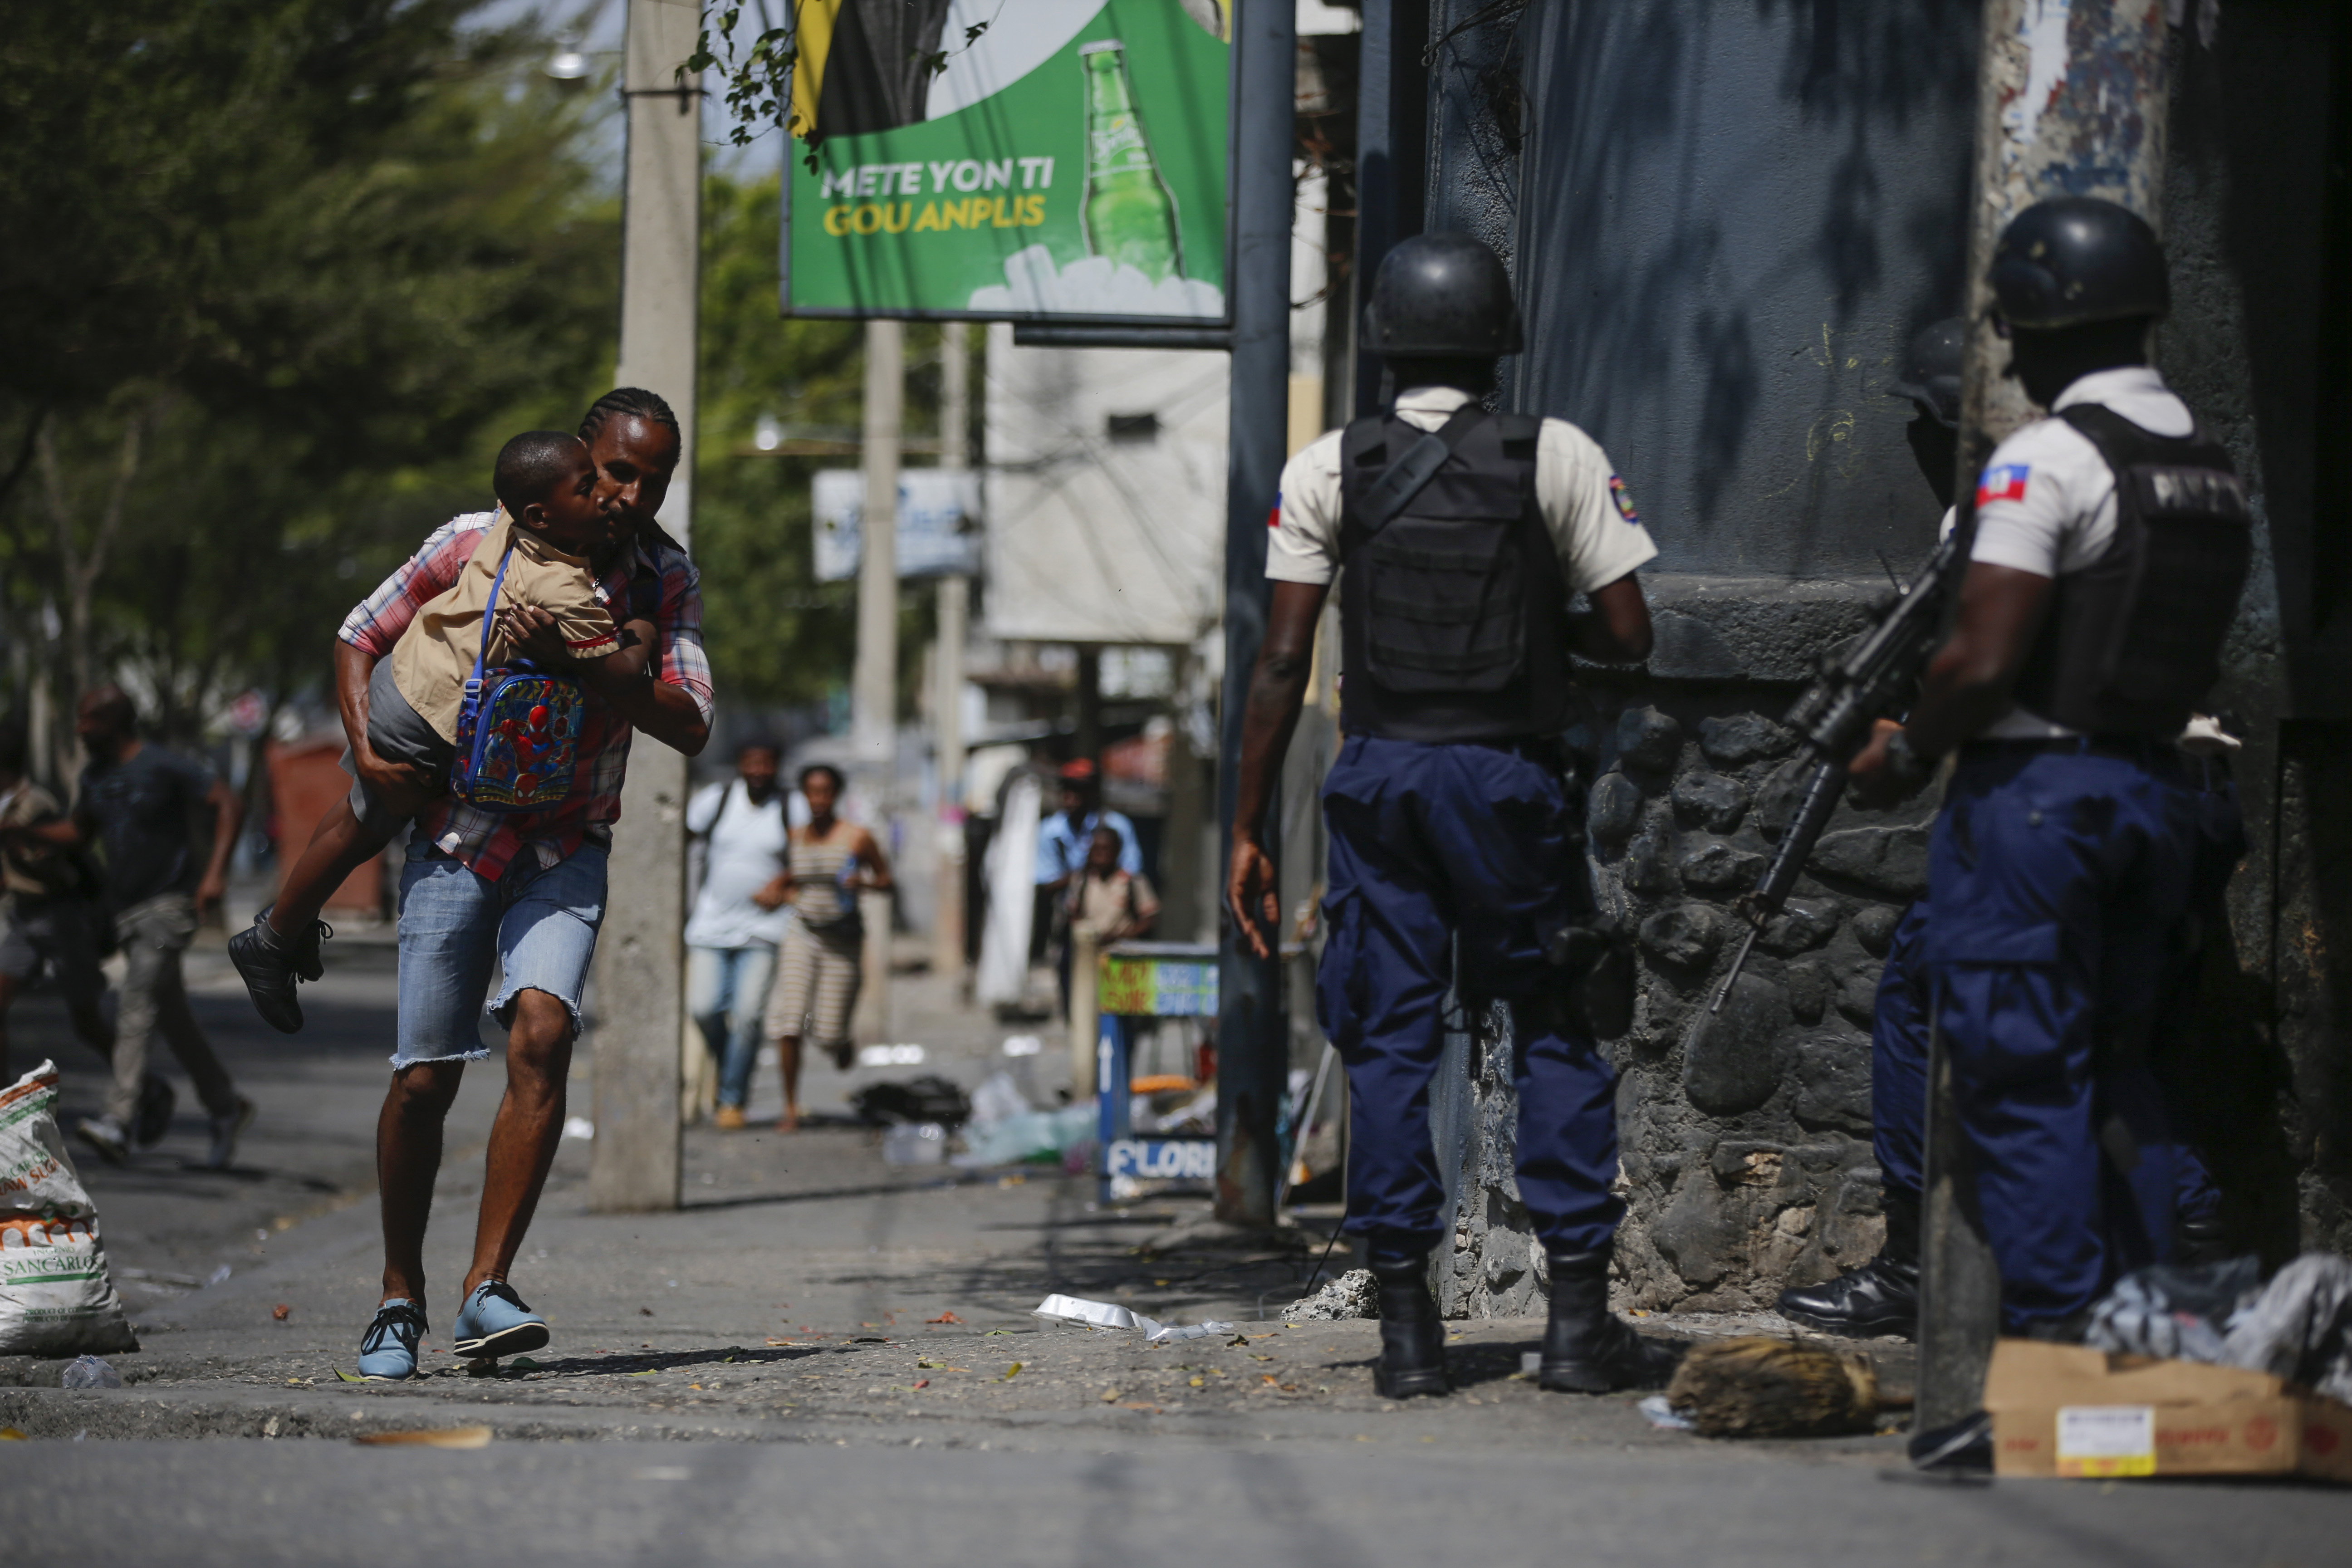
823 956
739 916
2111 542
134 804
1462 535
52 921
519 892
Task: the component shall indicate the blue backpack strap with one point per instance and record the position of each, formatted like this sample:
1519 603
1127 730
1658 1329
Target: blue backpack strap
490 612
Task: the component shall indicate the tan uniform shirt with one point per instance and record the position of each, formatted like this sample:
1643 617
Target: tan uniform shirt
1110 907
435 657
1584 504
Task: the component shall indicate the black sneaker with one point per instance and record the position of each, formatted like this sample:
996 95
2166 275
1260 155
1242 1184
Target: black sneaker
272 966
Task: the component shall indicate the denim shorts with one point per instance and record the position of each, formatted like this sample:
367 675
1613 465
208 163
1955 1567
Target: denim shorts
539 923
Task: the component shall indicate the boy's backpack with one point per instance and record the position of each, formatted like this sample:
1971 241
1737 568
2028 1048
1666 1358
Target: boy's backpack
518 730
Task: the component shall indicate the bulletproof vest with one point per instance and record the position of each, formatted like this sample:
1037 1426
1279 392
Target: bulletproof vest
1452 617
2133 641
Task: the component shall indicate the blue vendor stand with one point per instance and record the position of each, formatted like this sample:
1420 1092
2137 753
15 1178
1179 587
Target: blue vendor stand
1139 981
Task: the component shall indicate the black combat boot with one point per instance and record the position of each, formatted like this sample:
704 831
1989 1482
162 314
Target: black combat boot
1587 1348
1882 1297
1412 1336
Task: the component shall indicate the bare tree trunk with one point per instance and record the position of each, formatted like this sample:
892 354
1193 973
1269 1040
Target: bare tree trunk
80 567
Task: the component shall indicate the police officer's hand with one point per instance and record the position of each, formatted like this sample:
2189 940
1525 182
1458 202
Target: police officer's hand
1250 893
1879 780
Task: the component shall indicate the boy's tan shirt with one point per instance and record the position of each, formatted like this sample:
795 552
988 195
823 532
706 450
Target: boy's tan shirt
435 657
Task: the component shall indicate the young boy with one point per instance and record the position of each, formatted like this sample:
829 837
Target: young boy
1111 904
551 520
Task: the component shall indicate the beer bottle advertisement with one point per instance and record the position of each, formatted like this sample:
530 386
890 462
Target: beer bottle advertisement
1053 160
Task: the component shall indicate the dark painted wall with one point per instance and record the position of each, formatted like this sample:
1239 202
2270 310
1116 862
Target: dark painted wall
1730 216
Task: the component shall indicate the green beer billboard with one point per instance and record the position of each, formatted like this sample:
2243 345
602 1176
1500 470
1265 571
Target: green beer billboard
1009 160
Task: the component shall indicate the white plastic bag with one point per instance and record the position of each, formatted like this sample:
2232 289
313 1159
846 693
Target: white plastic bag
54 1297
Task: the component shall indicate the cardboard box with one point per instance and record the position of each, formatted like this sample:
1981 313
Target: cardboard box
2063 1410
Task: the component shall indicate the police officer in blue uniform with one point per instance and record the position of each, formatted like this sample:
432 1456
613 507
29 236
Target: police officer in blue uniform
2112 541
1460 538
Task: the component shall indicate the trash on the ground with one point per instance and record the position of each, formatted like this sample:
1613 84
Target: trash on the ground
2297 1328
944 1317
1355 1294
2174 1312
88 1372
997 1097
1081 1313
1048 1135
1194 1112
54 1297
10 1434
281 1313
890 1056
1022 1044
2073 1410
1760 1386
218 1277
929 1098
915 1143
342 1376
1657 1409
579 1127
438 1437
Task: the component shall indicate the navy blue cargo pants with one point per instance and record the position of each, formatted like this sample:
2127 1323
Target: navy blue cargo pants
2058 882
1428 842
1898 1038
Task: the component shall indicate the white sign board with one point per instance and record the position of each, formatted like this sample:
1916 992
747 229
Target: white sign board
939 523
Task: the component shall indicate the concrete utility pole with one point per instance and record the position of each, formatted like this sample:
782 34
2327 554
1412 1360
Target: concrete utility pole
874 686
2076 108
641 959
947 668
1253 1036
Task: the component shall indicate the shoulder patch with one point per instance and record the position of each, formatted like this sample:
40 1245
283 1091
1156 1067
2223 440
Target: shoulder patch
2004 482
1624 500
1273 517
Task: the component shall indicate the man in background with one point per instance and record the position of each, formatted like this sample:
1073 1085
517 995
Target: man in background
135 803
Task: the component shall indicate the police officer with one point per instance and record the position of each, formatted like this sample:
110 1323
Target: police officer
2112 541
1463 536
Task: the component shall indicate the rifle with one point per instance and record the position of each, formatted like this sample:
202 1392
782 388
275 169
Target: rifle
1870 679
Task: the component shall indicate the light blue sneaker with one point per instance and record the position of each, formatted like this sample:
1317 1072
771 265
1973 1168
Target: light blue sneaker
495 1322
388 1351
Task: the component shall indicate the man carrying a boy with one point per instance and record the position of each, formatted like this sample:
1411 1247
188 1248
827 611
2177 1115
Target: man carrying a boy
525 890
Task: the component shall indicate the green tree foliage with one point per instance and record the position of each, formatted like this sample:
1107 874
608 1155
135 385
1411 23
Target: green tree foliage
778 637
283 275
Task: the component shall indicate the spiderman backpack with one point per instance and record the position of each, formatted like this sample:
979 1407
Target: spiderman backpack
518 730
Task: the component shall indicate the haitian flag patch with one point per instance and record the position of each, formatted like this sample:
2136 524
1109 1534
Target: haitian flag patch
1273 517
1624 500
2006 483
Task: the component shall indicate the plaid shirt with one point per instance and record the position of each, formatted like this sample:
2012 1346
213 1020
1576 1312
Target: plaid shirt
655 581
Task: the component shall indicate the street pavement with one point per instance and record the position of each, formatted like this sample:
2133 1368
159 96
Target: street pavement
821 1357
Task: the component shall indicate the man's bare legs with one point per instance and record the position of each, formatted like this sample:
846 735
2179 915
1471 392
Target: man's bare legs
788 1057
407 1158
523 1145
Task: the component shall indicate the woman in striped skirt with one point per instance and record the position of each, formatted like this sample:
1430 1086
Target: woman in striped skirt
818 964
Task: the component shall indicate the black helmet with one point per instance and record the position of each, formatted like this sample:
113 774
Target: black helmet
1931 369
1442 295
2074 259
